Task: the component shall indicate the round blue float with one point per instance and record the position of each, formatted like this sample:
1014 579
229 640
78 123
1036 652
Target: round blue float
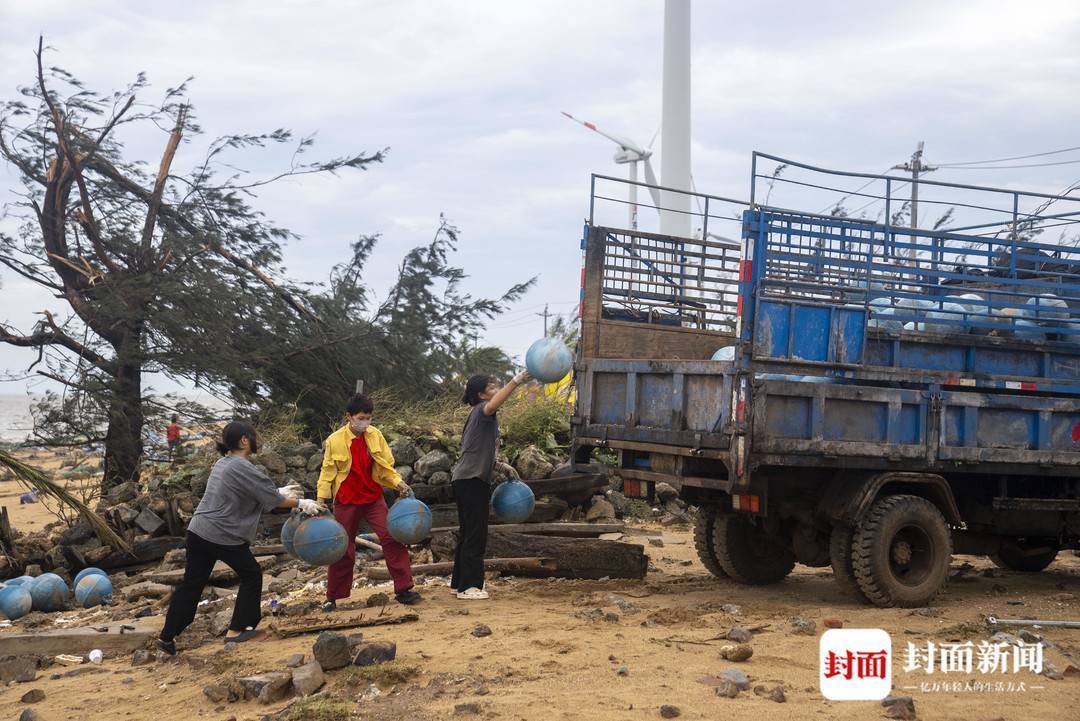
320 541
49 593
87 572
409 521
93 590
20 581
288 532
549 360
513 501
15 602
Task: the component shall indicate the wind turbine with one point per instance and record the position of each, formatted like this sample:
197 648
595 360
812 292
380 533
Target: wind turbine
629 153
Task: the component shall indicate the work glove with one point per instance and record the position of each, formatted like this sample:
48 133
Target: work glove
309 507
293 490
522 378
404 491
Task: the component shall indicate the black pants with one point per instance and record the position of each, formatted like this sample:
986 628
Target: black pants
473 497
201 557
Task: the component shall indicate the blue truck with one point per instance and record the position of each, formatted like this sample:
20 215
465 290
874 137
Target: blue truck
842 391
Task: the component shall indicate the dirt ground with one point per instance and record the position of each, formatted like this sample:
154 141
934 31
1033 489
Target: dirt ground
552 656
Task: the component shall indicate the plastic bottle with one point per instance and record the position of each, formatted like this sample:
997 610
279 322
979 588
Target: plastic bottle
95 656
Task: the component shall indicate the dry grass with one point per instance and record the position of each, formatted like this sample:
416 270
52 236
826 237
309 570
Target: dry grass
321 708
382 675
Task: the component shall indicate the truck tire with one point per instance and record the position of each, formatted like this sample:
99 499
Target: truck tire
900 552
1011 556
840 559
704 528
748 554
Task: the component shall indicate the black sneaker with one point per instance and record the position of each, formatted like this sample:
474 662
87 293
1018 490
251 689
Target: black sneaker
329 606
408 597
168 647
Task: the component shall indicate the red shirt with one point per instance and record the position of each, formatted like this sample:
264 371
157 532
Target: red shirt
172 433
359 488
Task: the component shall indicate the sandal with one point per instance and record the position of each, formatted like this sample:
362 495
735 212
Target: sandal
249 634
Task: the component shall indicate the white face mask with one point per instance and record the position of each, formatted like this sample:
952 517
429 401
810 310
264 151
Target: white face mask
359 427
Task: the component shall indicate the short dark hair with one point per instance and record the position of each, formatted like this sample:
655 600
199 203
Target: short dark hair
175 418
474 387
359 403
232 434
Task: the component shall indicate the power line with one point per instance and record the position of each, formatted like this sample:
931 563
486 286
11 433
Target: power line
1008 167
1015 157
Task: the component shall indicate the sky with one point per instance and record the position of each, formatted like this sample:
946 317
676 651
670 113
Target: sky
467 97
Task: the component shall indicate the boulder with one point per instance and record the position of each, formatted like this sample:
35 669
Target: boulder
737 677
150 522
296 463
308 679
600 510
314 462
665 492
304 449
122 493
331 650
18 668
145 589
219 623
532 464
432 462
369 653
275 465
405 452
439 478
125 513
34 695
406 473
294 661
76 533
619 502
267 688
504 471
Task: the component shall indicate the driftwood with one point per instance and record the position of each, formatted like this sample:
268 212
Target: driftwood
573 557
141 552
221 573
355 622
536 567
567 530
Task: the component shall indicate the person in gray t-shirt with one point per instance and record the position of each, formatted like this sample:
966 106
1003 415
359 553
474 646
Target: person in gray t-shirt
472 477
222 529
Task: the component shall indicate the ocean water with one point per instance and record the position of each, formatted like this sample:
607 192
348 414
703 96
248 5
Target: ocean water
15 420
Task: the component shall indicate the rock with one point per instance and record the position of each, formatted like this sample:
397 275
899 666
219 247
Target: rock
145 589
731 609
737 677
665 492
737 653
267 688
18 668
219 623
623 671
467 709
295 463
739 634
220 693
533 464
405 452
1003 637
122 493
275 465
727 688
504 471
669 711
34 695
601 510
331 650
406 473
294 661
305 449
308 679
439 478
1029 636
1052 672
76 533
773 694
141 657
671 519
314 462
481 630
803 626
125 513
29 715
150 522
656 542
34 569
899 707
832 623
377 599
369 653
432 462
619 502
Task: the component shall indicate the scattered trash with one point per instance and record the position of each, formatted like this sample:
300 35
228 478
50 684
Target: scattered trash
95 656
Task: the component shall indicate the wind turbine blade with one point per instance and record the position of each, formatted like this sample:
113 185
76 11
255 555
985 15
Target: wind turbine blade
618 140
650 178
654 137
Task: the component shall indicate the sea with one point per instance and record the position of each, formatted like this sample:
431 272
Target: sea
15 420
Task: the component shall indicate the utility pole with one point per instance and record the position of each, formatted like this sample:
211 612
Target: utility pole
915 166
545 315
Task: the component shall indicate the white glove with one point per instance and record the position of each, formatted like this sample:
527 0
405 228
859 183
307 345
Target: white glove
309 507
522 378
293 490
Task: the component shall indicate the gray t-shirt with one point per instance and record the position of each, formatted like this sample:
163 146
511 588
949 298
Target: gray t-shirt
478 443
237 493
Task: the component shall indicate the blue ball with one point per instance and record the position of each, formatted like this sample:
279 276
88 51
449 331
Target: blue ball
87 572
549 360
409 521
49 593
513 501
93 590
288 533
15 602
20 581
320 541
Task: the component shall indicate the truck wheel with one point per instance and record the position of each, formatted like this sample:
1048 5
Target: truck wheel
747 553
1012 556
901 551
840 559
704 528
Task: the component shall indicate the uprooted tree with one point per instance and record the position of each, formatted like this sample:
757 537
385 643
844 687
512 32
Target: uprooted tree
174 272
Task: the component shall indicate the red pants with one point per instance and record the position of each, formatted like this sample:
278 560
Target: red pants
340 575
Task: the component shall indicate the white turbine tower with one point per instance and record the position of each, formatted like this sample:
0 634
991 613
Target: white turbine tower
629 153
675 120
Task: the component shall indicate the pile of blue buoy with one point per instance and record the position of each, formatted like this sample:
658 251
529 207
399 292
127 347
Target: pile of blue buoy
94 589
409 521
513 501
49 593
320 541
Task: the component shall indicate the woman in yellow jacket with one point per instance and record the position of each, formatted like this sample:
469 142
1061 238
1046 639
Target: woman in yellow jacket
357 465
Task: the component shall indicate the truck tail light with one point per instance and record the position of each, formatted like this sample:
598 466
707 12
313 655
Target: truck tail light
749 504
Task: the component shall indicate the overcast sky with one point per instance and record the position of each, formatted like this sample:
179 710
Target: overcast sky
467 96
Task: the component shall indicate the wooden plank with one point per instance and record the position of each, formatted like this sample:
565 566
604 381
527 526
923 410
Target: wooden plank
568 530
341 624
272 549
567 484
142 552
519 566
221 573
116 637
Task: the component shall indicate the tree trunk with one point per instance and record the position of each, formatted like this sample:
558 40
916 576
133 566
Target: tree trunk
123 439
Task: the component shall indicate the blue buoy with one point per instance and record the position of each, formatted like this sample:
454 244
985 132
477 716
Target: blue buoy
87 572
15 602
288 532
20 581
93 590
409 521
49 593
549 360
320 541
513 501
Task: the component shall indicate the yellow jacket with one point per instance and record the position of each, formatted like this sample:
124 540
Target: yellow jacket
337 460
